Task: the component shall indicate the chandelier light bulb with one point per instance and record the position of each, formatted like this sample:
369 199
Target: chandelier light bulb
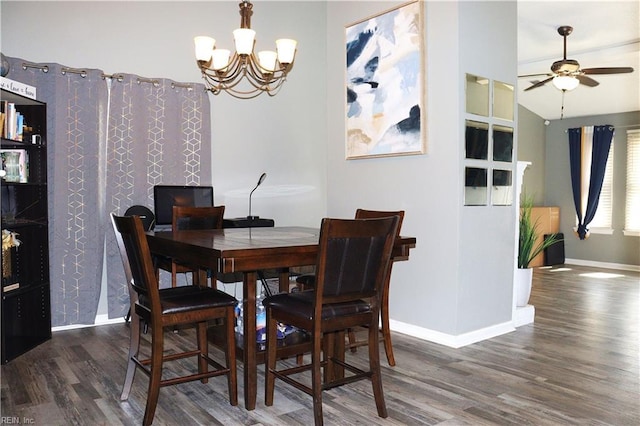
286 48
220 59
267 59
244 39
204 47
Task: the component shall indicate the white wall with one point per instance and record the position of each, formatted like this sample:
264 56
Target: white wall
284 135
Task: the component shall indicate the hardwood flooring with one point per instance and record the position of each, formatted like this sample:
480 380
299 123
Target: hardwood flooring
578 364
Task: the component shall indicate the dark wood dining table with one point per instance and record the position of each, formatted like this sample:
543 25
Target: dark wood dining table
249 250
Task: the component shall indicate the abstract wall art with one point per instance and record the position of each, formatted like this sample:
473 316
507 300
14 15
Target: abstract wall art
385 81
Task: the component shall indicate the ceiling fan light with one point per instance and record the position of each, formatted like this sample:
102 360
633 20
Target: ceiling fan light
565 82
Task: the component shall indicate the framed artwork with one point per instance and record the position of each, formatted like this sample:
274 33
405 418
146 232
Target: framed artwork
385 84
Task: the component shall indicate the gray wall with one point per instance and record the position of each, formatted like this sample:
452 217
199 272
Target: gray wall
458 279
284 135
531 148
616 248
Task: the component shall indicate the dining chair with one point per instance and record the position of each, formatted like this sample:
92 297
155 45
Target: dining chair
148 222
351 267
307 281
190 218
170 307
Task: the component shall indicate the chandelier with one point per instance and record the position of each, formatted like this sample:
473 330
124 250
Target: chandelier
264 73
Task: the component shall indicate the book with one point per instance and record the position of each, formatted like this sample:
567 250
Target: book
19 126
3 114
11 120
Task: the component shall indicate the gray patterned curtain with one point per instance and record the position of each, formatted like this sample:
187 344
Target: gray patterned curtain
158 132
76 124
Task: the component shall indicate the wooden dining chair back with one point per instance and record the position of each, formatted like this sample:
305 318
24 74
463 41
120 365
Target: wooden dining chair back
353 259
170 307
308 281
190 218
384 303
148 222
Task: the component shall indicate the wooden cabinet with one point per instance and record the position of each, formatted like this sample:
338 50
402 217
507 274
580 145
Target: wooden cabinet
26 306
548 220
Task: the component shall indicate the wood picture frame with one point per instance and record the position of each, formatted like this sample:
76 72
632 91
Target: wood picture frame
385 83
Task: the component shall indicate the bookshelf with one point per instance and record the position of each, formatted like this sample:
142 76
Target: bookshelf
26 305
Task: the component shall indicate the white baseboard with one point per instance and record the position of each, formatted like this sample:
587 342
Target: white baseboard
453 341
524 315
100 320
398 326
606 265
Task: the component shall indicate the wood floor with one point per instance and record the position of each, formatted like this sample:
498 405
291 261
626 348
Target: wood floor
578 364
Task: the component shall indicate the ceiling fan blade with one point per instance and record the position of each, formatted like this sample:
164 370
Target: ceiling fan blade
587 81
538 84
607 70
535 75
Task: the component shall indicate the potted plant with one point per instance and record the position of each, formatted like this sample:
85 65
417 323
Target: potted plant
528 249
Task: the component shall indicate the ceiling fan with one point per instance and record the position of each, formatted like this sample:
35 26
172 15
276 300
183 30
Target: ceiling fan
566 74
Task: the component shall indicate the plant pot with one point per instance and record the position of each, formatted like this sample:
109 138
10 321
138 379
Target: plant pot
522 285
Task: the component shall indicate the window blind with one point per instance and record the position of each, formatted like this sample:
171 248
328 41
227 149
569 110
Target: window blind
632 205
602 219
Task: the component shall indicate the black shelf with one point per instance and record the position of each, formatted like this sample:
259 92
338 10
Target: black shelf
26 300
26 320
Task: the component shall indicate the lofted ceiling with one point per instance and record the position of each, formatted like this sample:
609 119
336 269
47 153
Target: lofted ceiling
605 34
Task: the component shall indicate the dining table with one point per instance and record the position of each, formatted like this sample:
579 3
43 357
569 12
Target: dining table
248 251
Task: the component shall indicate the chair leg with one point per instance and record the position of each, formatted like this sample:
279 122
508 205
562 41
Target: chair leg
270 364
386 330
230 354
157 338
374 366
338 370
328 350
316 377
203 348
351 335
174 273
134 348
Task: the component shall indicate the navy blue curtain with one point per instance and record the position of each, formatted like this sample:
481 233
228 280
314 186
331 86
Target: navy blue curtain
602 136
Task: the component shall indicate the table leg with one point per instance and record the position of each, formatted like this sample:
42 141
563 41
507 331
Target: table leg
283 280
249 338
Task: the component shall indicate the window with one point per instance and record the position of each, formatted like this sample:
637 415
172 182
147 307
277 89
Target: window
632 205
602 219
